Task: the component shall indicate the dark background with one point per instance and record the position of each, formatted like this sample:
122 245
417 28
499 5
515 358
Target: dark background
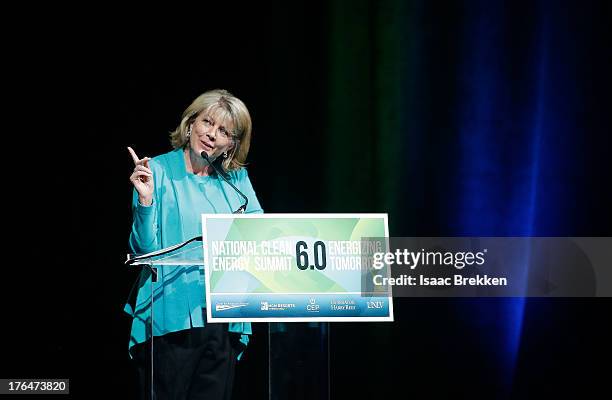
456 118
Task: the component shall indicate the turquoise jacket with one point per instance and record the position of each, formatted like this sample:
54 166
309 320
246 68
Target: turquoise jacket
179 199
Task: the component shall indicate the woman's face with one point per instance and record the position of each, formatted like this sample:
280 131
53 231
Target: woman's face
210 135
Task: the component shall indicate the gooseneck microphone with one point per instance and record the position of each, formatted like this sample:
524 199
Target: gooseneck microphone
243 207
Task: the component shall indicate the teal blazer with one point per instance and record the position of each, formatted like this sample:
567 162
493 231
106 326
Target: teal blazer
179 199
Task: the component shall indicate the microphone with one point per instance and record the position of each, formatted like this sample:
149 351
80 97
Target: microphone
243 207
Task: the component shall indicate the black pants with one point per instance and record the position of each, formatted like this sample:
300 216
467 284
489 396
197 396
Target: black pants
196 363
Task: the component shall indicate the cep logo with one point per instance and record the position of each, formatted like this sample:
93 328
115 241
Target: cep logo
312 305
265 306
375 304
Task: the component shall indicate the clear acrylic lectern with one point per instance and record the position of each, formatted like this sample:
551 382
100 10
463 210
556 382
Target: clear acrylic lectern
298 353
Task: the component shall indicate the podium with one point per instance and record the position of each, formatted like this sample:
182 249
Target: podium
298 353
299 360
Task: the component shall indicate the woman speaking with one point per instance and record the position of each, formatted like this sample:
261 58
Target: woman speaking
193 359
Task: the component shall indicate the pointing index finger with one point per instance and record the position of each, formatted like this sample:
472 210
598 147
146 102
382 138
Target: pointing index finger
134 156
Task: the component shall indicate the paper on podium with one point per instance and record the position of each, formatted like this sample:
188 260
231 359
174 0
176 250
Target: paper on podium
186 253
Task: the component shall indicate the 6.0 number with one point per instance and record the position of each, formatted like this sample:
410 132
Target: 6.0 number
301 256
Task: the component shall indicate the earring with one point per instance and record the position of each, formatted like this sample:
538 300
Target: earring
189 132
225 154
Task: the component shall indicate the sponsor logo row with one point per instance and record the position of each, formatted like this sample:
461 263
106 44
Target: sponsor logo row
312 306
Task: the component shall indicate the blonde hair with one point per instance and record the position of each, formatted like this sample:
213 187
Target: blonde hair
220 105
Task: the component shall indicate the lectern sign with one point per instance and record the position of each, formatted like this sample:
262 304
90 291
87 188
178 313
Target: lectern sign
293 267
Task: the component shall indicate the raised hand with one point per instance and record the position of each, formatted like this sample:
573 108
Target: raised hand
142 179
